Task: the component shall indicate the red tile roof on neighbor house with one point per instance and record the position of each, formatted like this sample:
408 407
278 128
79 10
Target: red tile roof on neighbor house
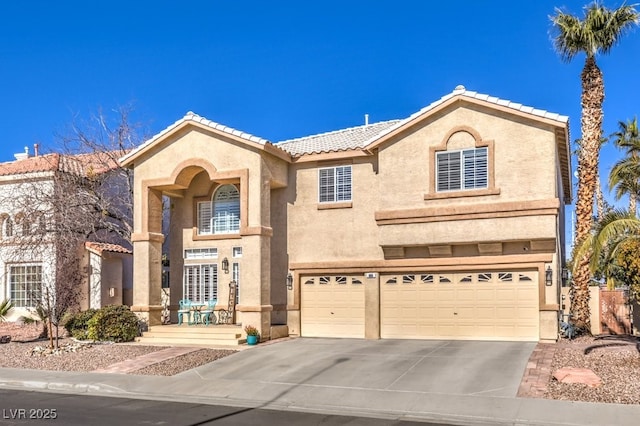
79 164
99 248
43 163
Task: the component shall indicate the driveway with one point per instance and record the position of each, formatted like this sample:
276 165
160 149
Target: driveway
463 368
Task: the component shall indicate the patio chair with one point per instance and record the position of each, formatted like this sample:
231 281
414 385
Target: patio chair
208 312
184 309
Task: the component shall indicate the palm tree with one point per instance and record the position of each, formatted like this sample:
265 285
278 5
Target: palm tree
597 33
625 174
610 235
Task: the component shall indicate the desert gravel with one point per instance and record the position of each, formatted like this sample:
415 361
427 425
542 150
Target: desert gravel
19 353
615 359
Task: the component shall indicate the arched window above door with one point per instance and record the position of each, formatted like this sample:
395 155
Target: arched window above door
221 215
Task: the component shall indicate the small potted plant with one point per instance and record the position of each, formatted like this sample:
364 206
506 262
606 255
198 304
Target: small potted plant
253 335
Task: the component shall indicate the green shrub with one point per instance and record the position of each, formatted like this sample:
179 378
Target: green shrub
78 324
114 323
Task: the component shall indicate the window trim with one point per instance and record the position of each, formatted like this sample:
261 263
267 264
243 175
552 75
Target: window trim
231 227
239 178
491 189
337 194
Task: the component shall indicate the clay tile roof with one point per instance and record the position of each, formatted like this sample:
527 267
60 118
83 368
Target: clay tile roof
79 164
44 163
339 140
99 248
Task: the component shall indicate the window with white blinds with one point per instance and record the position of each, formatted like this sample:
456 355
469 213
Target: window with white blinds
462 170
204 217
200 282
226 210
222 214
334 184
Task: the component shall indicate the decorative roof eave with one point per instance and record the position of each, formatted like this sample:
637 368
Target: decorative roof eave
564 157
331 155
191 119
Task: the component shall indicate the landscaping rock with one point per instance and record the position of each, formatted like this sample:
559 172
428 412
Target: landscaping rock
577 375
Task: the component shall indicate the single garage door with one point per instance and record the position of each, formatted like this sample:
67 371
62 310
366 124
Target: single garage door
474 305
332 306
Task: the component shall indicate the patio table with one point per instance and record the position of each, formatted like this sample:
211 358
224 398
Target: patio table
197 317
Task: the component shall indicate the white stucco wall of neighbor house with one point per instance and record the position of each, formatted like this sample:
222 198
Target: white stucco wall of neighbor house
18 256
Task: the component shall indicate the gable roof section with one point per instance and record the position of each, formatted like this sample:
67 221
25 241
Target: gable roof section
560 122
459 94
192 118
339 140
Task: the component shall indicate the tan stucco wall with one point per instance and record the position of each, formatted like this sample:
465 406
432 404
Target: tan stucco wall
476 230
594 307
333 234
519 173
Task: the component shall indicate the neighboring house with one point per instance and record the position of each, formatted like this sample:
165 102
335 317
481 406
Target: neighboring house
448 224
108 280
30 255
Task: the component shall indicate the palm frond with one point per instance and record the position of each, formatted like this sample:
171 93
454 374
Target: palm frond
5 306
598 32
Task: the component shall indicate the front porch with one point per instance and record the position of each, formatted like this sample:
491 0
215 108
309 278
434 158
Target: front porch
194 335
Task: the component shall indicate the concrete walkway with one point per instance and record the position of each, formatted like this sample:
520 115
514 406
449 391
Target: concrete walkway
468 383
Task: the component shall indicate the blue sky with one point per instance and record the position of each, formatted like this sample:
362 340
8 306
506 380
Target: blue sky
285 69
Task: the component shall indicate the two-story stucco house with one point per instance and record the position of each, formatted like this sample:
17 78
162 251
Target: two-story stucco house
36 266
446 224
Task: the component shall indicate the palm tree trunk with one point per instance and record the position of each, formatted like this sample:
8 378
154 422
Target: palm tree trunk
591 127
599 199
632 203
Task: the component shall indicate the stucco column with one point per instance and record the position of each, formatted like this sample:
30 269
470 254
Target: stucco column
372 306
147 257
255 294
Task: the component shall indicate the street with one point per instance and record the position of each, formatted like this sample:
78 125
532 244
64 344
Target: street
40 408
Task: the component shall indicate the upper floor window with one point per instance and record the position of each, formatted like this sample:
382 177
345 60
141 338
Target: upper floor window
462 170
221 215
334 184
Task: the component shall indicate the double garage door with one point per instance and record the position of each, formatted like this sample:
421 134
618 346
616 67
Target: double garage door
475 305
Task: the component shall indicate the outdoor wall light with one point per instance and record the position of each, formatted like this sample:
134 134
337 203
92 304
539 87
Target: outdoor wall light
289 281
225 265
548 276
565 276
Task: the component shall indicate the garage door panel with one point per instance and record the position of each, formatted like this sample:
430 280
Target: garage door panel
483 305
332 306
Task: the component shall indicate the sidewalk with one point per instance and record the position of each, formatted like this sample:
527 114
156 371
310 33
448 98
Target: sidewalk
324 390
